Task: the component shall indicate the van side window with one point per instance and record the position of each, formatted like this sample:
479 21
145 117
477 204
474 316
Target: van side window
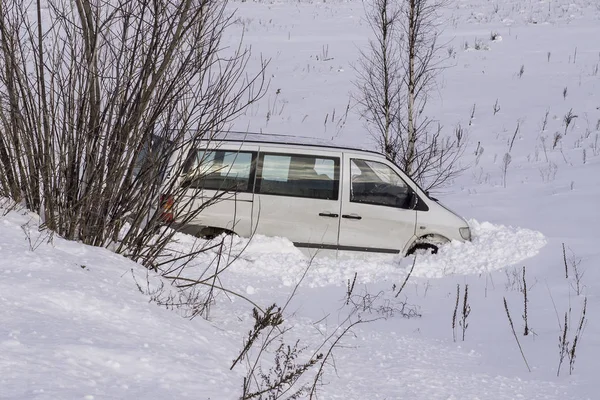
220 170
376 183
299 176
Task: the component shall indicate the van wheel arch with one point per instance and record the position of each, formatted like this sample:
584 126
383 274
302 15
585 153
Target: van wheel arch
430 242
211 232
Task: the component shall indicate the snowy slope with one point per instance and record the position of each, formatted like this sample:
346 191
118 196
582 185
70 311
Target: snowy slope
75 325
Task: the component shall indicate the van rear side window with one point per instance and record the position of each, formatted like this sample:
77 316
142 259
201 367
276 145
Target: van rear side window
220 170
298 175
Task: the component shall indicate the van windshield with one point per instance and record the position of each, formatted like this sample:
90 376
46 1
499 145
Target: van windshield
411 180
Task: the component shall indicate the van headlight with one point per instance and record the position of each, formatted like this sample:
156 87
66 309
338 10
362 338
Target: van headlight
465 233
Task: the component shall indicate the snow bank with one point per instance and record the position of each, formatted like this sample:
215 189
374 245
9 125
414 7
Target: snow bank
493 247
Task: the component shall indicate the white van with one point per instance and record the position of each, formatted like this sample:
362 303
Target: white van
318 196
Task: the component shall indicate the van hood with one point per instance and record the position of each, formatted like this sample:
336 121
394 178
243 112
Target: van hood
450 210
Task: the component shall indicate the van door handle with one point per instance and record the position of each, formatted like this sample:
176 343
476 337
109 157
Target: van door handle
351 216
326 214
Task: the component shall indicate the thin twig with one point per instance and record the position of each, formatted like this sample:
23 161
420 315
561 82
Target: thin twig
512 327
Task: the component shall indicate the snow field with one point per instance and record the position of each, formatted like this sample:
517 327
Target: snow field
68 332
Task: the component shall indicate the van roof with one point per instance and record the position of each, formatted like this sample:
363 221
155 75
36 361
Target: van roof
271 138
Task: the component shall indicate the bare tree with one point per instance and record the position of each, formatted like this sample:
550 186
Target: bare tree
395 77
96 96
380 77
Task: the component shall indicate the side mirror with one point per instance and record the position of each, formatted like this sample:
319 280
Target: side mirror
414 201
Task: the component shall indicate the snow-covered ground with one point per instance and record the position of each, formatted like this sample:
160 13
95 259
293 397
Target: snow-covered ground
74 323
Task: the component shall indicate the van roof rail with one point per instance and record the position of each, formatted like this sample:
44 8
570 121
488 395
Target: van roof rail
273 138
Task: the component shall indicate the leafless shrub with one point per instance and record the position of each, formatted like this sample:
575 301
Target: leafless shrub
466 310
513 280
548 172
330 344
577 337
496 107
472 115
572 262
459 134
324 56
567 348
270 317
565 90
36 235
478 152
565 261
267 337
407 277
381 305
512 327
380 75
506 160
350 288
97 98
557 137
280 379
577 276
287 375
8 205
451 52
525 301
548 55
395 74
191 293
568 119
545 121
455 312
512 142
563 344
521 71
478 44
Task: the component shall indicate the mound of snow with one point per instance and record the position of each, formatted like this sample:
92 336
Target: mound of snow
493 247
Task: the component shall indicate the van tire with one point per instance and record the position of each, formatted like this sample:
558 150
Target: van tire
209 233
429 243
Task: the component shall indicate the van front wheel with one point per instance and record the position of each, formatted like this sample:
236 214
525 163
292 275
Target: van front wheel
422 249
427 245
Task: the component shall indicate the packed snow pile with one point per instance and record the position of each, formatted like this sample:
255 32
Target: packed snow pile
493 247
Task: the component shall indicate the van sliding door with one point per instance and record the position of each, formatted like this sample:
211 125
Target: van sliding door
297 196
